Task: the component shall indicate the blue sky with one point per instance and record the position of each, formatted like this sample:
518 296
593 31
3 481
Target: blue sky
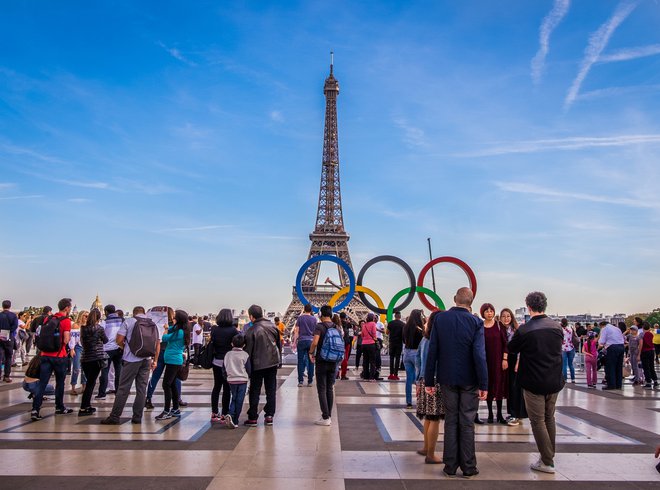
170 152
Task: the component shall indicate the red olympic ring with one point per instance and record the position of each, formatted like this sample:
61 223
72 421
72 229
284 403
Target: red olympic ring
451 260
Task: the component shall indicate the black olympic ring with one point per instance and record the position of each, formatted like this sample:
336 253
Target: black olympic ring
396 260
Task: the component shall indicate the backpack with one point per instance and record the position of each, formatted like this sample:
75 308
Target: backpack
206 355
332 349
144 338
49 339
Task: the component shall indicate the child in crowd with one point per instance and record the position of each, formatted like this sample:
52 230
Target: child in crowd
237 369
634 353
590 351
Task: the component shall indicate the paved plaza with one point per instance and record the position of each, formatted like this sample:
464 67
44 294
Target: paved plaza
605 440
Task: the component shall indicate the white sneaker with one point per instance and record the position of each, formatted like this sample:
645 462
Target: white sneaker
324 422
229 422
512 422
544 468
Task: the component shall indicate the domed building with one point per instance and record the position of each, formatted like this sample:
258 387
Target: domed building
97 304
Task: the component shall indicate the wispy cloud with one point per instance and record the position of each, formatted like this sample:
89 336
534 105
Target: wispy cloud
176 53
614 91
549 24
80 183
78 200
539 191
630 53
571 143
276 116
13 198
597 43
194 228
413 136
19 150
6 185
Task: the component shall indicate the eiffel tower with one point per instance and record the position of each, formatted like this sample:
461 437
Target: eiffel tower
329 235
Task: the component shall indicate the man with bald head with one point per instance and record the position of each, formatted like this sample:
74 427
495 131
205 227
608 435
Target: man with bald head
457 362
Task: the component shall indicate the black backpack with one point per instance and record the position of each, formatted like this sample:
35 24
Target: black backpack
144 338
50 339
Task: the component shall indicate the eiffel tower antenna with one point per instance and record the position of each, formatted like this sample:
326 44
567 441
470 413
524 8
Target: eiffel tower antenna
329 235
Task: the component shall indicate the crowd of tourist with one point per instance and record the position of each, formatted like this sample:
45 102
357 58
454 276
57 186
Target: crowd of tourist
454 359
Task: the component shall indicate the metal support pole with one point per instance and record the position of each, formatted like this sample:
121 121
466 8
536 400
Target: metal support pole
431 258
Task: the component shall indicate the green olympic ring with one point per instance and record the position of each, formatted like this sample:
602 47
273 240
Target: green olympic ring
418 289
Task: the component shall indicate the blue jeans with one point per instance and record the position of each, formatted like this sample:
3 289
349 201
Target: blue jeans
157 373
58 365
237 397
75 368
567 361
411 363
34 386
303 358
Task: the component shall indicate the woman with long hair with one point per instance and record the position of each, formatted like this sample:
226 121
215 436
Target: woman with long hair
93 357
430 408
497 362
177 338
568 350
75 347
222 334
369 347
515 403
413 333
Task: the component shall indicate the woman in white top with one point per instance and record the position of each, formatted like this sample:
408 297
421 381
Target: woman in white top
75 349
568 349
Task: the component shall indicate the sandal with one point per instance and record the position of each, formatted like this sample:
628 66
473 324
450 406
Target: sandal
421 452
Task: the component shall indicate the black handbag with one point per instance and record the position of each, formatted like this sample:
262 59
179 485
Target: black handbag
184 369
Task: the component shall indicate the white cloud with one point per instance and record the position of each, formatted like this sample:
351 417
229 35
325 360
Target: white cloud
614 91
87 185
572 143
78 200
630 53
6 185
549 24
13 198
194 228
412 135
176 53
536 190
597 43
276 116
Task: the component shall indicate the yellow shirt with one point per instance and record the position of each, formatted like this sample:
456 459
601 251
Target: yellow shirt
656 336
282 328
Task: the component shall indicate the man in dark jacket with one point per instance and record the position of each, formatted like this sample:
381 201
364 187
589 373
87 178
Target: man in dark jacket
457 362
539 342
8 331
395 346
262 343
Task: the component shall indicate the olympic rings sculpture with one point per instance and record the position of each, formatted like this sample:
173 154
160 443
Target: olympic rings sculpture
356 286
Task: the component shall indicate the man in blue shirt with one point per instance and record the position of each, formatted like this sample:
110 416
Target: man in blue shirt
8 327
303 334
457 362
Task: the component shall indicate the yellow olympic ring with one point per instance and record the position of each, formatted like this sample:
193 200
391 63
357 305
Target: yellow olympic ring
361 289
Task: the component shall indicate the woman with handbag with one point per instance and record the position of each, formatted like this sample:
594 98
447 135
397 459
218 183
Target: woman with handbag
568 349
221 335
177 339
93 358
369 347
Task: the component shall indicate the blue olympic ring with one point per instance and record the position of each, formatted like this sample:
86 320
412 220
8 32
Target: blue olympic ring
339 262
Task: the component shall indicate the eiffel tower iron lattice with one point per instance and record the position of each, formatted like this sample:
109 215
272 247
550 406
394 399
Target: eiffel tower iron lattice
329 235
